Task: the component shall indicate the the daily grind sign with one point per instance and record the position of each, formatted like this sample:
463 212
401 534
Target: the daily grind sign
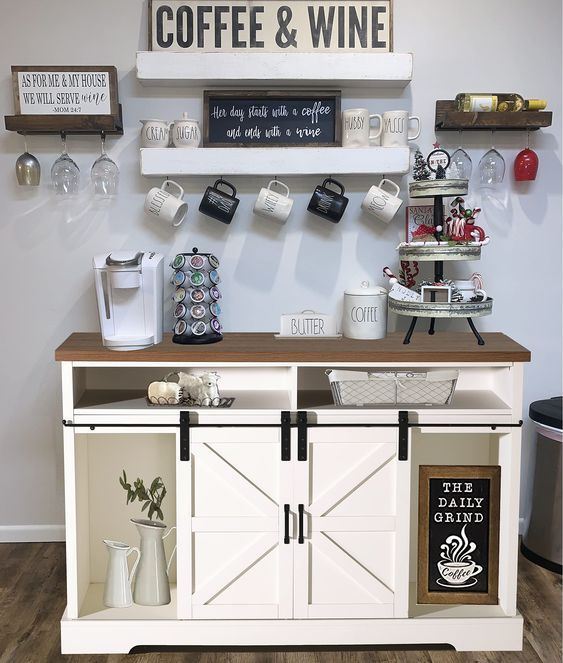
262 118
458 534
270 26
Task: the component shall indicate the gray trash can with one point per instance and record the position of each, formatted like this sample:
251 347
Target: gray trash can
542 542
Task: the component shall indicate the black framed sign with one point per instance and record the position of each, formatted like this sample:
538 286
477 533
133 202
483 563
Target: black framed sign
458 534
271 118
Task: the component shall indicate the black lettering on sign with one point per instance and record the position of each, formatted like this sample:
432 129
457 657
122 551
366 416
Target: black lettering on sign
237 119
458 534
185 26
162 39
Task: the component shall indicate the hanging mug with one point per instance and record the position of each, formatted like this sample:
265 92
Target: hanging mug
155 133
219 205
396 128
327 203
380 203
164 206
273 205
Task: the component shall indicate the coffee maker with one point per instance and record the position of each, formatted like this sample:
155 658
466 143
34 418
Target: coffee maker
129 288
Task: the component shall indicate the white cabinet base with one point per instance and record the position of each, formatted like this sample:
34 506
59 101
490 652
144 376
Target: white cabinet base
84 636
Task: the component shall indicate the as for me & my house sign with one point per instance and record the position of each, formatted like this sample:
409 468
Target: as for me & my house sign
270 26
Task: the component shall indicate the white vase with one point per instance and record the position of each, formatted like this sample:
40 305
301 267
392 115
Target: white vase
151 582
117 588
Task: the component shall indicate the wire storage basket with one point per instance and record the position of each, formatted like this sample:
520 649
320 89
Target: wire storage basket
361 388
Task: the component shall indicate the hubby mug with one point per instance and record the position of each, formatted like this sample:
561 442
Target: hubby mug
380 203
165 206
327 203
396 128
356 125
273 205
219 204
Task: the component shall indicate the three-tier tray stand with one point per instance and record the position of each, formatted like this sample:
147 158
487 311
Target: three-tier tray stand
438 253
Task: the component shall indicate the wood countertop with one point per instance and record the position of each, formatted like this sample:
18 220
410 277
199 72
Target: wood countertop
263 347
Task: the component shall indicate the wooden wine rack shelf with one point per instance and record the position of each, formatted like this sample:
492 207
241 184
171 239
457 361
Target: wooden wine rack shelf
449 119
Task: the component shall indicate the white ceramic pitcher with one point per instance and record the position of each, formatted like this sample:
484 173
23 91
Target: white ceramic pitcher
151 584
117 588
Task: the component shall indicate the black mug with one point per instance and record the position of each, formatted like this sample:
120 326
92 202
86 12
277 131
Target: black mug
328 203
219 205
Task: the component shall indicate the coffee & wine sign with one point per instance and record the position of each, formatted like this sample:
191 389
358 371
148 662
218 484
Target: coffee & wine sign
458 534
270 26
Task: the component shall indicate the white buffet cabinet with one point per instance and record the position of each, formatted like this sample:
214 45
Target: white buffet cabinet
286 535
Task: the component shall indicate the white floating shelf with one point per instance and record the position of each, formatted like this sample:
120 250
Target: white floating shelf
279 69
274 161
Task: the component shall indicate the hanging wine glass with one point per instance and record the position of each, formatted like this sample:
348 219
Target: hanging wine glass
104 173
526 164
28 168
65 174
460 164
492 167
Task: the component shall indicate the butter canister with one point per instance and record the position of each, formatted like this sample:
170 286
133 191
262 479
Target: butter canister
364 314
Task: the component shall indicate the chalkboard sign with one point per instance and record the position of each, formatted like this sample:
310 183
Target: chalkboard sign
458 534
271 118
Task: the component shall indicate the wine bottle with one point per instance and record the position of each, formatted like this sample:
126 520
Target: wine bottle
488 102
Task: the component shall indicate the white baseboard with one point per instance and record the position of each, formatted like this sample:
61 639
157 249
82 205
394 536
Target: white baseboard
31 533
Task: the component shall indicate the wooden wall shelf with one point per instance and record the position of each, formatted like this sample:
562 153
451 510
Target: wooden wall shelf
448 119
69 124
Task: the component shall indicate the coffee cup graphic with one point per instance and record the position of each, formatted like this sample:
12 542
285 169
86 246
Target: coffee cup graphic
456 566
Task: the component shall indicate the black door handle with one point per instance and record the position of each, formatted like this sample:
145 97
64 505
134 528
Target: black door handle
286 523
301 510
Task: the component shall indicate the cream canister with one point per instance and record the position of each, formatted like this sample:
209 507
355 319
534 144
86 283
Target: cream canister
364 314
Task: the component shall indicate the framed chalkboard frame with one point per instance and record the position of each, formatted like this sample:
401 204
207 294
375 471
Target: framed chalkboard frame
428 472
333 96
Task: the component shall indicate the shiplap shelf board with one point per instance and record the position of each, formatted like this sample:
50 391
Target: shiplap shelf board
279 161
280 69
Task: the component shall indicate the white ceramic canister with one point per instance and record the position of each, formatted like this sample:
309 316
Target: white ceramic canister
186 132
155 133
364 314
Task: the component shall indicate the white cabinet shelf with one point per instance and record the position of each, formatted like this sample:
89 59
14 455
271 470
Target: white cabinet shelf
171 162
281 69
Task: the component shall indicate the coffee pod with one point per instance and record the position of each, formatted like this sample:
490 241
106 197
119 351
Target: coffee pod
179 262
197 295
198 328
180 311
179 295
197 279
197 311
180 327
197 261
215 293
215 309
214 277
215 325
179 278
213 261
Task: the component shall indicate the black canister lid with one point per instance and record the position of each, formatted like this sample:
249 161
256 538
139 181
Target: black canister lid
548 412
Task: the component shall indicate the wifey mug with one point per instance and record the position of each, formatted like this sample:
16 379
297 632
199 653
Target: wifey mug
395 126
273 205
380 203
165 206
356 128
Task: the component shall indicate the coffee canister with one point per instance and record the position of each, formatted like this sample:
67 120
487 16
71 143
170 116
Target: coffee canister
364 314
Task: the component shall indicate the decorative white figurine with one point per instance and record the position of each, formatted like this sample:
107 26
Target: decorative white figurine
165 393
200 388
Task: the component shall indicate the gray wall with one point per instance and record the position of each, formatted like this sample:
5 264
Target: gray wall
46 276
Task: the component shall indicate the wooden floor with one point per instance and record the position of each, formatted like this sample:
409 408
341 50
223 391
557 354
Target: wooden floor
32 600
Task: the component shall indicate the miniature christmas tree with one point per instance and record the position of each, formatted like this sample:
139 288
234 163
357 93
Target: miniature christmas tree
420 170
440 173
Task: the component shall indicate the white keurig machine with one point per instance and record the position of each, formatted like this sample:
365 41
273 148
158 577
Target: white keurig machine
129 287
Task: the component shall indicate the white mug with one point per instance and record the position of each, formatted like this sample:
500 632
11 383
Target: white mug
356 125
185 132
165 206
273 205
396 128
155 133
469 289
380 203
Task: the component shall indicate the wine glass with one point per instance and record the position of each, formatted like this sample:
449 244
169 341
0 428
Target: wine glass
65 174
104 173
460 164
492 167
28 168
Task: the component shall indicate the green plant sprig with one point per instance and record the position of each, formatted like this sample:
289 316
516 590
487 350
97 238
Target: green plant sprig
152 497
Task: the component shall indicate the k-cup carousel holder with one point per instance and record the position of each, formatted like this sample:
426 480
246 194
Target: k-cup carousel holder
196 297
